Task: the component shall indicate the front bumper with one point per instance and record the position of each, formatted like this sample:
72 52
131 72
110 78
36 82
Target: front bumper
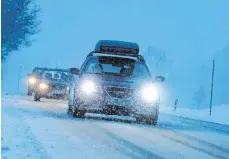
103 103
53 93
31 87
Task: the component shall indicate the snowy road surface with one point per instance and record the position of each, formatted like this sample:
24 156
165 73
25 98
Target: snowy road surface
44 130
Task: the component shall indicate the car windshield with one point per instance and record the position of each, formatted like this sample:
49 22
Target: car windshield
53 75
117 66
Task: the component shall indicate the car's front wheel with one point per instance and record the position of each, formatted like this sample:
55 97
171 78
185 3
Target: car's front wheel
30 92
77 112
69 111
37 97
146 120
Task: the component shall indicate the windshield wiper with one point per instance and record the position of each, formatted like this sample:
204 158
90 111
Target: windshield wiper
97 73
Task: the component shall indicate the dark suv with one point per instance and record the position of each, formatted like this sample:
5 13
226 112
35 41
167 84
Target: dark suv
115 80
50 83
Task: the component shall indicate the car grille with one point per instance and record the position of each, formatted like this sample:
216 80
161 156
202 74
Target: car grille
119 92
58 87
116 110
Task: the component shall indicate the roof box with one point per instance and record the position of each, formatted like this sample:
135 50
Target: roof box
117 47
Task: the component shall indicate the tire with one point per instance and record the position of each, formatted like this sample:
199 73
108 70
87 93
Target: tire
146 120
151 121
37 97
76 112
69 111
30 92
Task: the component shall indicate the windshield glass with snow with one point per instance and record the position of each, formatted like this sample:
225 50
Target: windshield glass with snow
117 66
52 75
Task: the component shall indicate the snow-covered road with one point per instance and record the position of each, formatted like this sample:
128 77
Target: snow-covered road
44 130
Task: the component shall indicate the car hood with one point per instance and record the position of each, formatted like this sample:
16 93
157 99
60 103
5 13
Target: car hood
115 80
56 82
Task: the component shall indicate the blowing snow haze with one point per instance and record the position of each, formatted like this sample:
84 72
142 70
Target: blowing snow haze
190 33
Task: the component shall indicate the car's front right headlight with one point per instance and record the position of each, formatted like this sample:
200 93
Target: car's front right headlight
149 93
43 86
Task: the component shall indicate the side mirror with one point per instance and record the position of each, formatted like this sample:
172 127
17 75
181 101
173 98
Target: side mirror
74 71
159 78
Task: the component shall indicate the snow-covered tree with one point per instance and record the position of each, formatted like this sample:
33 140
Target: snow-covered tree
199 97
19 22
155 55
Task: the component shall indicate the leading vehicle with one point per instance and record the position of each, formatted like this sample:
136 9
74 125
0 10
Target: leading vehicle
115 80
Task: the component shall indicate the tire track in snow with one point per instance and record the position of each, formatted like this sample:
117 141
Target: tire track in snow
183 141
103 138
191 137
220 128
202 142
33 141
72 127
148 154
125 147
24 131
192 142
145 154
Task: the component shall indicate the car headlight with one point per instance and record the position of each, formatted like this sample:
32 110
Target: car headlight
149 94
43 86
88 87
32 80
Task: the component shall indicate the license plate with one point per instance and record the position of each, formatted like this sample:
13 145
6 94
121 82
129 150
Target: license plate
116 101
58 92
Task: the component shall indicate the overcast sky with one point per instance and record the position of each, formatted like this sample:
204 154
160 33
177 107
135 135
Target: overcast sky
188 30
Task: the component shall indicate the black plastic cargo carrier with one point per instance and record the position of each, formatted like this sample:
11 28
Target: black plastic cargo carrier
117 47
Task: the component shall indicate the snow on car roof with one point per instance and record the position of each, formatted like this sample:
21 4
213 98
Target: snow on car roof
123 44
111 55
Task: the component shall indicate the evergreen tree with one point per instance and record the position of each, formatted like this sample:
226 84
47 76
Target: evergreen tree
19 22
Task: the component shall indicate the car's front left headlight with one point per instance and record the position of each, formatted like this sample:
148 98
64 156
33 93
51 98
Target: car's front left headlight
149 93
88 87
32 80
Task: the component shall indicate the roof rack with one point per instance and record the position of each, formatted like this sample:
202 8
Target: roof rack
116 47
50 69
113 47
139 57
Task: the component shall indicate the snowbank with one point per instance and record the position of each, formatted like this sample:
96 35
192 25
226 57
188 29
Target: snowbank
219 113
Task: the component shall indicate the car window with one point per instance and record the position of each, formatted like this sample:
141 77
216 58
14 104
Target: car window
64 77
117 66
56 76
94 67
140 71
48 75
